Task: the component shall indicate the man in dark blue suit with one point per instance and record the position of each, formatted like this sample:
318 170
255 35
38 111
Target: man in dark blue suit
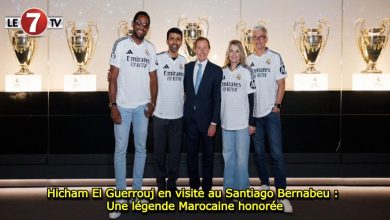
202 87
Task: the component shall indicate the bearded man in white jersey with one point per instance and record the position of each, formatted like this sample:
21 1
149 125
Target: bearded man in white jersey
269 72
132 94
168 116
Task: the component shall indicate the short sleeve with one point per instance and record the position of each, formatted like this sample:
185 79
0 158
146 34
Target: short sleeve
281 71
153 60
115 58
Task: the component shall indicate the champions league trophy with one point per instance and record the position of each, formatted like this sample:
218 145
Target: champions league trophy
310 42
245 35
191 32
371 42
82 43
124 29
24 47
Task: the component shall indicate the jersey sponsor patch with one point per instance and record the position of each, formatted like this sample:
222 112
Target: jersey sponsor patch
253 84
282 70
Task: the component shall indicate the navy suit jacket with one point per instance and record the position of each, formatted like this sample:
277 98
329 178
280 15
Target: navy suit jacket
205 106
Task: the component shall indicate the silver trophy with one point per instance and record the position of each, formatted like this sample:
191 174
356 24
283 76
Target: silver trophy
124 29
191 32
244 34
24 47
311 42
82 43
371 42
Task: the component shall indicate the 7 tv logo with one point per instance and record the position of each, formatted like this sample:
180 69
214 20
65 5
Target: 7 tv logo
34 22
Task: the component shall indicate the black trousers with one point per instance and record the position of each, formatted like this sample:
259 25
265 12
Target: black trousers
167 131
193 138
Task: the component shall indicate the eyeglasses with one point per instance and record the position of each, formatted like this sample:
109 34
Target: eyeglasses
139 23
261 37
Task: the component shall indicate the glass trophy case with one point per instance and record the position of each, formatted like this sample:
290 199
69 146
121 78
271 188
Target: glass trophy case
53 88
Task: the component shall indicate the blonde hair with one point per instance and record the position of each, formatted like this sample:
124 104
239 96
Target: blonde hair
241 51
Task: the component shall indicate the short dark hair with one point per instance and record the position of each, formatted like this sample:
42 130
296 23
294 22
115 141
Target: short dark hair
141 13
175 31
200 39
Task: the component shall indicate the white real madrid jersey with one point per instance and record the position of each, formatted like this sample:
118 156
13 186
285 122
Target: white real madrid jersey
267 69
134 63
235 87
170 98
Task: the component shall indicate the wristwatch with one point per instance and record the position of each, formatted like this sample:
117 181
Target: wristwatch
279 106
111 104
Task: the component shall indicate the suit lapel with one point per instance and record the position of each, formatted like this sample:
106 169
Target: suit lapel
204 77
191 76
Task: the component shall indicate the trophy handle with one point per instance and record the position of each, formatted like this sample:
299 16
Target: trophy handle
299 24
69 28
94 31
123 27
386 29
11 34
182 22
359 25
204 23
240 29
323 25
262 23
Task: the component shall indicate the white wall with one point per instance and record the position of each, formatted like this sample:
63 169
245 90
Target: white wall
340 58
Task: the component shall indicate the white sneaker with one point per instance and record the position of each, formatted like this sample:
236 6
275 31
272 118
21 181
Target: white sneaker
287 207
116 214
264 187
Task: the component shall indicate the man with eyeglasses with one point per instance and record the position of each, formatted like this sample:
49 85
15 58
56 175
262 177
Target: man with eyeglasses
132 94
270 74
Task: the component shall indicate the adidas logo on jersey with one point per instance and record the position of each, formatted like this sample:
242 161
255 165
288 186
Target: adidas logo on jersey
252 64
166 66
129 52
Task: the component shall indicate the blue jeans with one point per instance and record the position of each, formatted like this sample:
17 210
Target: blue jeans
236 154
121 132
270 125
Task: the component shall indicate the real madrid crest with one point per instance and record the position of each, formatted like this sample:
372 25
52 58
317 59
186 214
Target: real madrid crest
268 61
147 52
238 77
181 66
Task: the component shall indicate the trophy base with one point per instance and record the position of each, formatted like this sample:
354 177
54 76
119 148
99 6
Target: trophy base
311 70
23 83
371 81
310 82
81 73
80 83
24 71
372 71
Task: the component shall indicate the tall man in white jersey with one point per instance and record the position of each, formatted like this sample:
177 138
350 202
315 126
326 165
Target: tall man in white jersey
270 74
132 94
168 116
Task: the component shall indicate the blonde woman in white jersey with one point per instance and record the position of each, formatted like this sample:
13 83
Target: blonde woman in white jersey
237 122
